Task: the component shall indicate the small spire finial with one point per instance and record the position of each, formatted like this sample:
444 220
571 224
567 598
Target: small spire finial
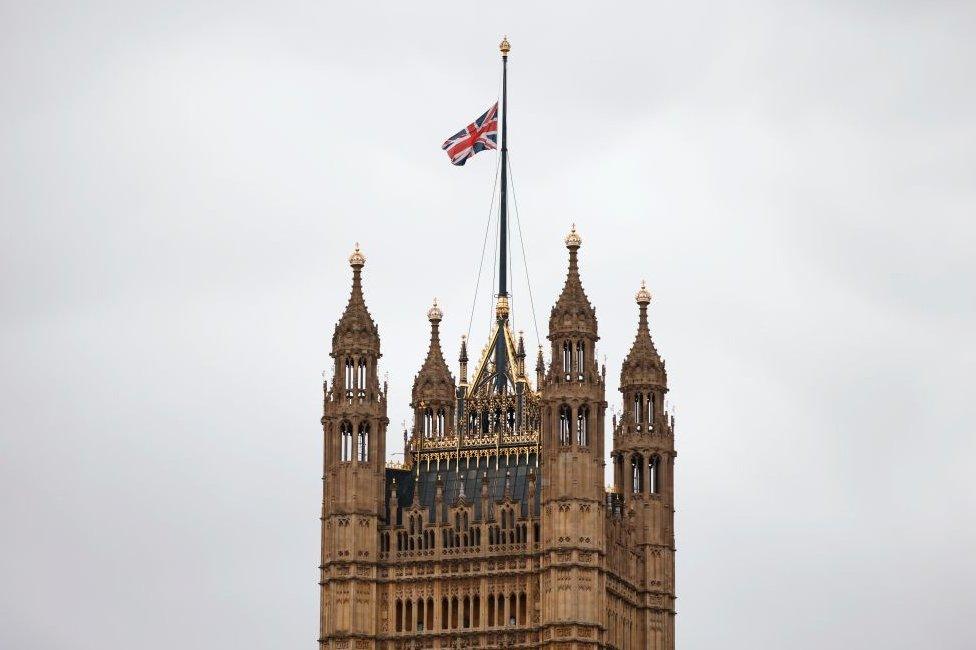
435 313
357 259
504 46
573 240
643 295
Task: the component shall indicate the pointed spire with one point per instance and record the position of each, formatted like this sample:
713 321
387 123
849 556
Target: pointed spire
463 361
573 311
356 329
540 369
643 364
434 381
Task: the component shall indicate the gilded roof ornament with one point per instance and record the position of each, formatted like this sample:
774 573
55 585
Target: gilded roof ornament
573 240
643 295
504 46
501 307
357 259
435 313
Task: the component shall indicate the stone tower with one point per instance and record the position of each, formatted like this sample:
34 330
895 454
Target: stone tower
643 456
572 468
354 425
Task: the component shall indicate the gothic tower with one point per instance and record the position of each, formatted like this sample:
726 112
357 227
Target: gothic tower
573 501
643 457
354 425
434 391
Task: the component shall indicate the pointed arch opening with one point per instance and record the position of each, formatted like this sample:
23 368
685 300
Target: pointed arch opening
650 411
565 413
654 474
363 447
349 377
580 360
639 411
567 360
345 441
637 473
582 426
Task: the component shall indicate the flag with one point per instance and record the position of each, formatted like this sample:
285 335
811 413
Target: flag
479 135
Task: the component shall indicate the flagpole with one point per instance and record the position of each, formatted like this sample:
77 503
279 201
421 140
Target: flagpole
501 310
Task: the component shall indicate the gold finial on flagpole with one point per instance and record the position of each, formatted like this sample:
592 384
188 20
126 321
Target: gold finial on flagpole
504 46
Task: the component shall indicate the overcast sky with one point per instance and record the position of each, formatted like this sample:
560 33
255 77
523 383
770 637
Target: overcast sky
181 185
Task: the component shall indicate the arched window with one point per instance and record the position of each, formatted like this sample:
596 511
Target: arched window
399 615
428 423
637 473
472 423
345 441
582 432
580 357
349 377
650 411
440 422
639 410
653 474
361 380
567 360
363 455
485 430
511 419
497 421
564 415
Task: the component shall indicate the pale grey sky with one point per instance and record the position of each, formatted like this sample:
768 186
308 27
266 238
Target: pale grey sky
180 187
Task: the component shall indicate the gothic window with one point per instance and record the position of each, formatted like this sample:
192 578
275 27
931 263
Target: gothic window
361 380
345 441
472 423
521 609
428 423
484 422
430 614
420 615
363 455
564 415
582 432
652 467
511 419
467 611
491 610
639 410
408 615
567 360
511 609
349 377
440 422
399 615
445 606
580 356
476 608
637 473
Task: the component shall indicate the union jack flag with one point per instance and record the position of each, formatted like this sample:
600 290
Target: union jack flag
480 135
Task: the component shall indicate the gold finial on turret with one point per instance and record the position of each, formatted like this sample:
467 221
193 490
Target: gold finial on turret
357 258
435 313
504 46
573 240
643 295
